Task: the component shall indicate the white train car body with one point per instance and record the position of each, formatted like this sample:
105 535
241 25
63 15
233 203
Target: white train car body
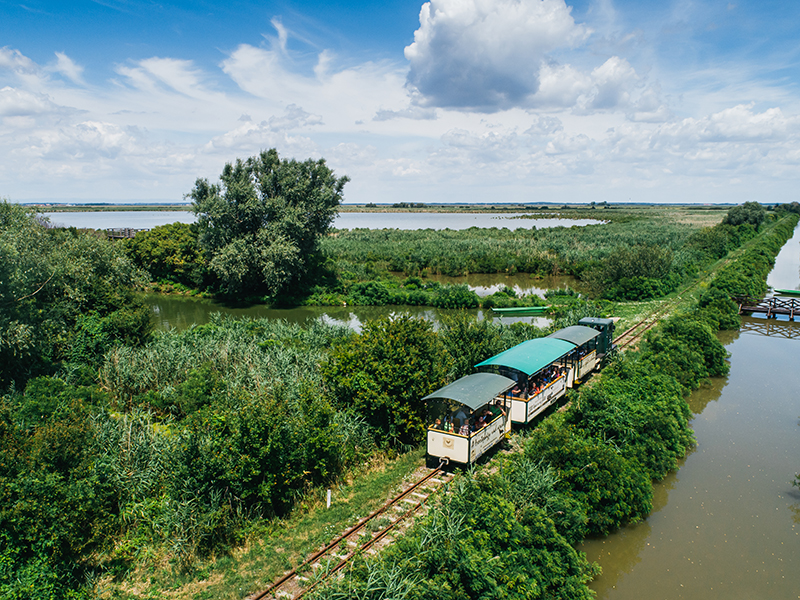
535 367
468 417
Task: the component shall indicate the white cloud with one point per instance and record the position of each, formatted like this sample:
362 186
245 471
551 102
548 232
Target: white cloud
486 54
416 113
17 103
573 117
344 96
544 125
15 61
612 83
560 86
67 67
178 75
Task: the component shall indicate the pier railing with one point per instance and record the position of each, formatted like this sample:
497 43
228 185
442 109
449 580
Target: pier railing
772 307
122 233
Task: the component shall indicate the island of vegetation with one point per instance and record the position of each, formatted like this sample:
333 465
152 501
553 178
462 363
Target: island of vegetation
136 464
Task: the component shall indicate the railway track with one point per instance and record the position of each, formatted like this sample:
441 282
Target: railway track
629 337
377 527
634 333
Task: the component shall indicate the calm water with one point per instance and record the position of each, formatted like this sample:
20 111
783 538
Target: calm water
177 312
148 219
727 524
133 219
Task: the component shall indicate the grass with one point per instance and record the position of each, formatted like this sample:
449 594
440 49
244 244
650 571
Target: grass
272 547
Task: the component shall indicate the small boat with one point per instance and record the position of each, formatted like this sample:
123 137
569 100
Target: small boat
787 292
521 310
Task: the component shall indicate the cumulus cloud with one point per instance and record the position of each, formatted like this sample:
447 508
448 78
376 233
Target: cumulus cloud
486 54
612 82
736 124
271 132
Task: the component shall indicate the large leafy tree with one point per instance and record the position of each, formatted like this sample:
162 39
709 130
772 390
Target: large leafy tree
64 295
260 226
170 252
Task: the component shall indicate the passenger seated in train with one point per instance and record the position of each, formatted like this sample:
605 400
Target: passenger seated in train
544 378
458 419
498 405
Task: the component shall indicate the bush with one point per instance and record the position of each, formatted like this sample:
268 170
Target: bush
384 373
170 252
751 213
640 411
612 489
454 296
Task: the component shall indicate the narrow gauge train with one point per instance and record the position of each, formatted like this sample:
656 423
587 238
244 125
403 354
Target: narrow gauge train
471 415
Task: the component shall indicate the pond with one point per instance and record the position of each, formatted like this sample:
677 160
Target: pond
180 312
726 525
370 220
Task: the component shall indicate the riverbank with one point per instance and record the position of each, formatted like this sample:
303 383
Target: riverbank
727 523
629 428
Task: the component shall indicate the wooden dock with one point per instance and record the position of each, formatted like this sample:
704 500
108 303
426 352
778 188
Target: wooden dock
122 233
771 307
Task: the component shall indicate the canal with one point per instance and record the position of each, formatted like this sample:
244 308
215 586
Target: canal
726 525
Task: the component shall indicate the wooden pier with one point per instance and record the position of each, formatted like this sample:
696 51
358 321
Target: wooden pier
771 307
122 233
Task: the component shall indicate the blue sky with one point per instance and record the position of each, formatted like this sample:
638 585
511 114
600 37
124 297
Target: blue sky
447 101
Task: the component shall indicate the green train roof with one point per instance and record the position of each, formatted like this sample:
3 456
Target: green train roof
577 334
473 390
531 356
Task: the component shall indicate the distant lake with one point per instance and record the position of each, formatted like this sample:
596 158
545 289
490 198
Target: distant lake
371 220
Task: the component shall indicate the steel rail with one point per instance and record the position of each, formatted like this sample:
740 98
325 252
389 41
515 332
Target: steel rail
354 529
366 546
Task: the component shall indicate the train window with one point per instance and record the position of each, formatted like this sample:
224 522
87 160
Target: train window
545 377
448 416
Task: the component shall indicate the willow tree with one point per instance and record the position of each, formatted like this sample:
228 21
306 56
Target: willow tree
260 226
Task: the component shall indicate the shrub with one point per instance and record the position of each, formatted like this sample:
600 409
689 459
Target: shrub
383 374
612 489
454 296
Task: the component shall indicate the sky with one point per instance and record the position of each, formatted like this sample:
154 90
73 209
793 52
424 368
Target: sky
451 101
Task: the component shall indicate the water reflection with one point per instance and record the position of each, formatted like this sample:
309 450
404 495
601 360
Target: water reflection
709 391
486 284
780 327
181 312
784 274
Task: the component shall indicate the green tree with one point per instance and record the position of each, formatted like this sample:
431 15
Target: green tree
260 226
384 374
613 489
468 341
749 212
64 294
170 252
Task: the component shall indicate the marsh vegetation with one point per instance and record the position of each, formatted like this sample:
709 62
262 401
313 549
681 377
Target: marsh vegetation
125 452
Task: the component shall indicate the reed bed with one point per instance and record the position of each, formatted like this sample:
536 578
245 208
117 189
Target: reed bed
258 356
